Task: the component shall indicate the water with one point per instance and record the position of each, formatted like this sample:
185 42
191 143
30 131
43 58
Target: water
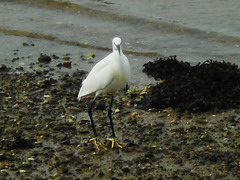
192 30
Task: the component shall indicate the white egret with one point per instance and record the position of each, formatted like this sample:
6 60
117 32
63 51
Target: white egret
106 77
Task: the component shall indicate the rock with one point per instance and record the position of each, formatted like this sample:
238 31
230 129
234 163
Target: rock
44 59
15 59
65 57
126 169
67 64
17 143
3 67
55 56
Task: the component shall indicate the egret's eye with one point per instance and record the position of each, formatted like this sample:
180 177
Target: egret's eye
117 45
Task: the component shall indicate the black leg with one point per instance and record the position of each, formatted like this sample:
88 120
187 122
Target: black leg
126 88
90 115
110 115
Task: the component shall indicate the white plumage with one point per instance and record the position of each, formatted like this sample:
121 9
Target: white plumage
109 74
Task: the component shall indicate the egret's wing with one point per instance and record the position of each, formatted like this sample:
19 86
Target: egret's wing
100 65
97 80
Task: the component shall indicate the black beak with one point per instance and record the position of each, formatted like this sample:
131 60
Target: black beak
118 47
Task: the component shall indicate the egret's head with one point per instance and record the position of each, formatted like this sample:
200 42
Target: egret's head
116 43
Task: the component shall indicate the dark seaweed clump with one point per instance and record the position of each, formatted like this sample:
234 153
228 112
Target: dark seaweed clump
206 86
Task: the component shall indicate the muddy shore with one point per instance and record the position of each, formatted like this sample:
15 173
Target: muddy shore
45 133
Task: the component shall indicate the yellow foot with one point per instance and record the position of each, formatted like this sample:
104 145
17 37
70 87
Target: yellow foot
114 142
98 144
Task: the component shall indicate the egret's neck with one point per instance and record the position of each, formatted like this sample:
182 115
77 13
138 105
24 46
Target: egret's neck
117 52
120 52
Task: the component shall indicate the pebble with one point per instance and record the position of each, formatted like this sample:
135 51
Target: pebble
43 58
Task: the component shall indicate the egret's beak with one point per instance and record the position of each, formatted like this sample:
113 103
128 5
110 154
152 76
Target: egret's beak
118 47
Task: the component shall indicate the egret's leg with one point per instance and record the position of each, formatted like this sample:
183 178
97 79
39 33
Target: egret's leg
91 118
113 140
110 115
95 140
126 88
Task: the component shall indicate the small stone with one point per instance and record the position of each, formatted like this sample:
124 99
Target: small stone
59 65
65 57
31 159
55 57
2 157
3 67
15 59
101 174
16 106
126 169
134 114
37 70
117 110
44 58
67 64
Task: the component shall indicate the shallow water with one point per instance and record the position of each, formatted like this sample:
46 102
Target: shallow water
192 30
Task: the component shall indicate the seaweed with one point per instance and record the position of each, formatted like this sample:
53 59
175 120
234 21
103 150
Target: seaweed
206 86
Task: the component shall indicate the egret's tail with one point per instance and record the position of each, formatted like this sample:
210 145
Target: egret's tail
79 95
